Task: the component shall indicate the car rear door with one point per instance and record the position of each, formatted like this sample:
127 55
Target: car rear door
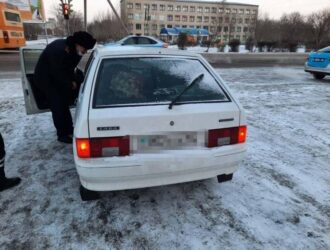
153 127
35 102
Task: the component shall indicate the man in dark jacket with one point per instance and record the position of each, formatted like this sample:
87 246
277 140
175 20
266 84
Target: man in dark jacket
5 182
54 77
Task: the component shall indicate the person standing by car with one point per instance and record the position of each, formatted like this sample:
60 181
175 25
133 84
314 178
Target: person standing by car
5 182
54 77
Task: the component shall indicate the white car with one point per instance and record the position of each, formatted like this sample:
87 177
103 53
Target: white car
149 117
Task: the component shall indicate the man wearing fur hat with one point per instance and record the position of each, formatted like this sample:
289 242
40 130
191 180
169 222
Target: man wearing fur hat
54 76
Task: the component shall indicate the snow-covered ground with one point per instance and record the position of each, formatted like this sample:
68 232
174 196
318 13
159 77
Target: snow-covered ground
278 199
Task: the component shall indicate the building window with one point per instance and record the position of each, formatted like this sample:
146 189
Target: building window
207 10
184 19
162 26
219 28
199 19
246 29
198 27
241 11
254 12
192 26
200 9
185 8
130 16
170 7
248 12
225 29
213 19
240 20
154 7
138 6
162 7
192 8
220 19
192 19
234 11
206 27
227 11
146 26
130 27
146 6
247 20
154 27
170 18
214 10
184 26
177 18
178 8
137 16
239 29
177 26
233 20
161 18
227 20
206 19
153 17
220 10
138 26
169 26
253 20
129 6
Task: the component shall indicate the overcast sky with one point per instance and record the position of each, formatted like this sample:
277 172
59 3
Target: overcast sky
274 8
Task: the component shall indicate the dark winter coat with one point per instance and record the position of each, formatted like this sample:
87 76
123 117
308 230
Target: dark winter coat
55 68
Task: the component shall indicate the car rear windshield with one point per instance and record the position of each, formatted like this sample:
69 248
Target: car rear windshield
154 80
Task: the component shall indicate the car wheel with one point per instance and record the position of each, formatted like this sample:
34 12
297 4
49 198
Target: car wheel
88 195
224 177
319 76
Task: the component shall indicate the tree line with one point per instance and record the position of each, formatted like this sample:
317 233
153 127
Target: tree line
293 30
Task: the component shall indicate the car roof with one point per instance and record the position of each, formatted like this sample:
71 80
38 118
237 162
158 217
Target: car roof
133 50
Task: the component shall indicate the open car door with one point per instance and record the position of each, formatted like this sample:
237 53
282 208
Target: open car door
35 101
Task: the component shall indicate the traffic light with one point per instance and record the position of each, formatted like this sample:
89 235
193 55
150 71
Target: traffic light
66 10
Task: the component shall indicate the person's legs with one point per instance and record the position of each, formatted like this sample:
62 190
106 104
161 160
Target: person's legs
61 114
5 183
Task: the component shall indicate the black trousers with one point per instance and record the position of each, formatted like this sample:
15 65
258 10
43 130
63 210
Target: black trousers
59 101
2 152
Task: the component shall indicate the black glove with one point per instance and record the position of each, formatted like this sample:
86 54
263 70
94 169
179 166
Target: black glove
78 76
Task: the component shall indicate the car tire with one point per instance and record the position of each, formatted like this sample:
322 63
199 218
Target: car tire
88 195
224 177
318 76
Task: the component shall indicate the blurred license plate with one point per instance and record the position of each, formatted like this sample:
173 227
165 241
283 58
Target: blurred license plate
168 141
318 59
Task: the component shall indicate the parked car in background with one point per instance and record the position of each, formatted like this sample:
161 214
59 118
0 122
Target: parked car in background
140 41
318 63
148 117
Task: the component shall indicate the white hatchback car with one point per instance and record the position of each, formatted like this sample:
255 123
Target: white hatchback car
149 117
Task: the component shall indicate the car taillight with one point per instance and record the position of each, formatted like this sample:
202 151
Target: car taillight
226 136
103 147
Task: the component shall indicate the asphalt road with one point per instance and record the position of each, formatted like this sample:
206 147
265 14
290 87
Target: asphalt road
9 61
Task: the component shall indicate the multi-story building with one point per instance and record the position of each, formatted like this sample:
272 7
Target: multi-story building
223 19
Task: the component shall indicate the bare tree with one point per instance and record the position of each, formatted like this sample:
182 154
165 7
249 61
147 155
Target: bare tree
106 27
319 28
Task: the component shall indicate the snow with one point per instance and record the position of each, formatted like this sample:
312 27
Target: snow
278 199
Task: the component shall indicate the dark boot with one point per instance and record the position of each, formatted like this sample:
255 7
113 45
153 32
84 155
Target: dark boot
6 183
65 139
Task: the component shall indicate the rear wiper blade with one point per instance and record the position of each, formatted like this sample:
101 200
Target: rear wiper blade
197 79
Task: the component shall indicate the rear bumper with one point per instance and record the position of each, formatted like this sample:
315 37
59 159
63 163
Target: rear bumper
310 69
146 170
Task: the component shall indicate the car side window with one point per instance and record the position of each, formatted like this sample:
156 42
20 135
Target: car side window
152 41
129 41
87 69
144 40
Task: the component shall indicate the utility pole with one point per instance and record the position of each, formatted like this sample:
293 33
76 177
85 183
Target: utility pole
85 15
